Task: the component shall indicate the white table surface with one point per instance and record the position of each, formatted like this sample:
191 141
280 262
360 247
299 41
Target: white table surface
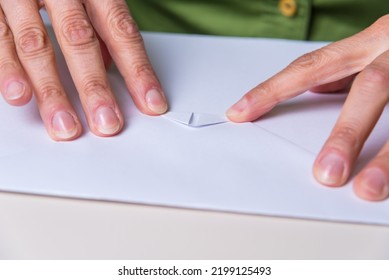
33 227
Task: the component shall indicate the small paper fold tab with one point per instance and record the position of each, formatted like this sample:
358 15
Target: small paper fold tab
195 119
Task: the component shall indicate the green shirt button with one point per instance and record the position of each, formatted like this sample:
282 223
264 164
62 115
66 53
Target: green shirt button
287 7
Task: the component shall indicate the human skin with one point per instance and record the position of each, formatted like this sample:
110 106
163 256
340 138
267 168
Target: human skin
88 32
360 63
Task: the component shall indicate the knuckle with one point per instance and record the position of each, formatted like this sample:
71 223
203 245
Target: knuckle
378 30
8 64
49 92
77 31
375 74
311 64
346 136
320 65
95 87
142 69
383 21
4 30
122 25
308 60
32 41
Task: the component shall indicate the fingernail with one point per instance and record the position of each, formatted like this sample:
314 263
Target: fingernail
331 169
156 102
63 124
238 108
374 182
14 91
106 120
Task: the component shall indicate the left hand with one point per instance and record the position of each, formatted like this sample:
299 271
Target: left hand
362 60
88 32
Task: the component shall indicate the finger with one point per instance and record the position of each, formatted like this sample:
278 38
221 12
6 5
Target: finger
81 50
372 183
342 85
117 28
364 105
326 65
37 57
14 84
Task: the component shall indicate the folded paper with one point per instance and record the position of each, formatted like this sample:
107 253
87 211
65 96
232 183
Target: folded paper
195 119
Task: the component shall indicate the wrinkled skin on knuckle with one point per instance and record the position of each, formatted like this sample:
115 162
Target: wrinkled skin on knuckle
373 84
325 65
310 64
7 64
123 28
77 31
346 136
95 87
49 92
141 69
4 31
309 60
322 57
32 41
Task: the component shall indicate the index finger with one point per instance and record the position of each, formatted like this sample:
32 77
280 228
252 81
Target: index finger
323 66
117 28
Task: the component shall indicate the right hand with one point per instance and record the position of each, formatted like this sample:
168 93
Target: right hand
360 63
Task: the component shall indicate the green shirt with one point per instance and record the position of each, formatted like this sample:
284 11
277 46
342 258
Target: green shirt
323 20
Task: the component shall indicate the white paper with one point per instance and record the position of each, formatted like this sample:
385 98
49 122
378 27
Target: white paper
247 168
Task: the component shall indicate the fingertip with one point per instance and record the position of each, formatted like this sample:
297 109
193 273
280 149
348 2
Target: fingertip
64 126
249 108
156 102
17 93
331 169
107 121
237 112
372 185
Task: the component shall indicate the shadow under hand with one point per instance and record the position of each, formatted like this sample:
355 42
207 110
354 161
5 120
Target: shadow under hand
307 104
316 113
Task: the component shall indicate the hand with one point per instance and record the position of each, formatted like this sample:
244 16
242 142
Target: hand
361 61
27 62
